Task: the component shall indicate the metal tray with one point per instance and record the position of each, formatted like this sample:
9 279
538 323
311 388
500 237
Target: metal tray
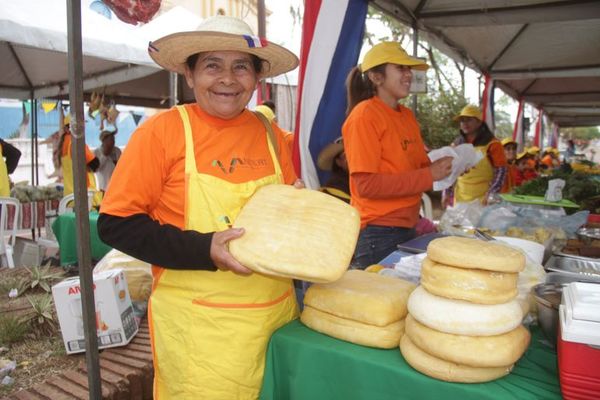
588 267
564 278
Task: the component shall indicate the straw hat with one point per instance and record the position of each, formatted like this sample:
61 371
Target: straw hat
329 153
470 111
390 53
220 33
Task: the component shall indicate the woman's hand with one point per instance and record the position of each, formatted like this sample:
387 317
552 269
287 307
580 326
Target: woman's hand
441 168
220 253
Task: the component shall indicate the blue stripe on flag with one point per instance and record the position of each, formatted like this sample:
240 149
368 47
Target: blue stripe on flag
327 125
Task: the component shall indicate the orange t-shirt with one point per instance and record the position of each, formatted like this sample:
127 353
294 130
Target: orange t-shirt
150 175
66 148
379 139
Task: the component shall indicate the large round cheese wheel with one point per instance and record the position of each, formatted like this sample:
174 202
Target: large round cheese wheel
474 253
475 285
384 337
462 317
475 351
447 370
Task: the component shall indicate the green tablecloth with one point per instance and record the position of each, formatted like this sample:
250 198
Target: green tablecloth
64 229
305 365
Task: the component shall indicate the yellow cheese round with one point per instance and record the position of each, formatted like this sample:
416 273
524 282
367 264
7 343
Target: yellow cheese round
474 253
447 370
462 317
474 285
384 337
474 351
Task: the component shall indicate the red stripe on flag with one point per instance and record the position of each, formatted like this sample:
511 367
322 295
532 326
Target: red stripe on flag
311 13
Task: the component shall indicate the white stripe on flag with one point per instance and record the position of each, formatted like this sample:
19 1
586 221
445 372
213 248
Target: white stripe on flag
325 39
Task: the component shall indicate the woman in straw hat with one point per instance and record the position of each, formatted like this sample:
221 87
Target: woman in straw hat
487 177
178 186
389 168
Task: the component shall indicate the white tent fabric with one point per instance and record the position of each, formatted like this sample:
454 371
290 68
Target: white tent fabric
544 51
33 49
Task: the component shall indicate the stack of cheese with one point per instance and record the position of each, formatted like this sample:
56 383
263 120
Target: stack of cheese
465 322
361 307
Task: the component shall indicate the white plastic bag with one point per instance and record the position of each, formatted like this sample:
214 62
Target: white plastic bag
464 157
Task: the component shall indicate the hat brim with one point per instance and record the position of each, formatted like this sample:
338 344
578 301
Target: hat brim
172 51
328 154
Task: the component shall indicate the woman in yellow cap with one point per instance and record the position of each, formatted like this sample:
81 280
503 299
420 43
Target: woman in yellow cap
180 183
510 151
487 177
550 160
389 168
524 170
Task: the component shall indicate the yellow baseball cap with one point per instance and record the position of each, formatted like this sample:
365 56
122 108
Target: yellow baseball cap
470 111
266 111
533 150
508 140
521 155
390 53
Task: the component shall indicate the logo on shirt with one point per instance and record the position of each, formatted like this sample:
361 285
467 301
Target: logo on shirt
407 142
230 167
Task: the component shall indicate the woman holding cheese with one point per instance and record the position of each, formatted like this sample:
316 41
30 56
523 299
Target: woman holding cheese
389 168
178 186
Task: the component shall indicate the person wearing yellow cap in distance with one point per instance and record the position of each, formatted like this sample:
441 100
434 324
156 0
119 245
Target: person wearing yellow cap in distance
267 108
66 163
179 185
389 168
333 158
524 171
510 151
534 157
549 160
487 177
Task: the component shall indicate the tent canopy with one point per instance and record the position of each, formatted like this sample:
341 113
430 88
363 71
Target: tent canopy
33 47
545 52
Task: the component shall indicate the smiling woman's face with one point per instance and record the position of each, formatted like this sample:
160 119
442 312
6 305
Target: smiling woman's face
223 82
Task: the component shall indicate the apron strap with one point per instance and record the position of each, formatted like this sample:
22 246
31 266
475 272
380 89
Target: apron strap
190 158
270 133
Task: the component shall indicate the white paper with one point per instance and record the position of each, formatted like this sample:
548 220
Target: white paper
464 157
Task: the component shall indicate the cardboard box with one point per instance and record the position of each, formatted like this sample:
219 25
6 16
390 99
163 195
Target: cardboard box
115 322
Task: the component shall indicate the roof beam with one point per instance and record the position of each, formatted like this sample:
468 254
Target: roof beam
531 13
572 110
536 73
541 98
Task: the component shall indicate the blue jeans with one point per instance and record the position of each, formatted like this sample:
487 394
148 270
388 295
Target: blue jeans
376 242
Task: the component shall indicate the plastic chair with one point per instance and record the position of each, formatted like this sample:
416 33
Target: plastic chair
67 202
426 207
65 205
7 243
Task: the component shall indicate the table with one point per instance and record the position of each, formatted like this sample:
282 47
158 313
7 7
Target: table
305 365
64 229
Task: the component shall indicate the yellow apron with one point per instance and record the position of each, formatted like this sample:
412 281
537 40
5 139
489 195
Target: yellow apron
67 171
4 183
475 183
210 330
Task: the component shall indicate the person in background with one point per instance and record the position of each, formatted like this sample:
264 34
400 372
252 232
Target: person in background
8 164
510 152
524 171
176 191
332 158
486 178
571 151
550 160
267 108
108 154
65 162
534 157
389 168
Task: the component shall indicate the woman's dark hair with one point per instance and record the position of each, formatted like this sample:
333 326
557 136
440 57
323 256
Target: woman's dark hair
359 87
482 137
257 62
